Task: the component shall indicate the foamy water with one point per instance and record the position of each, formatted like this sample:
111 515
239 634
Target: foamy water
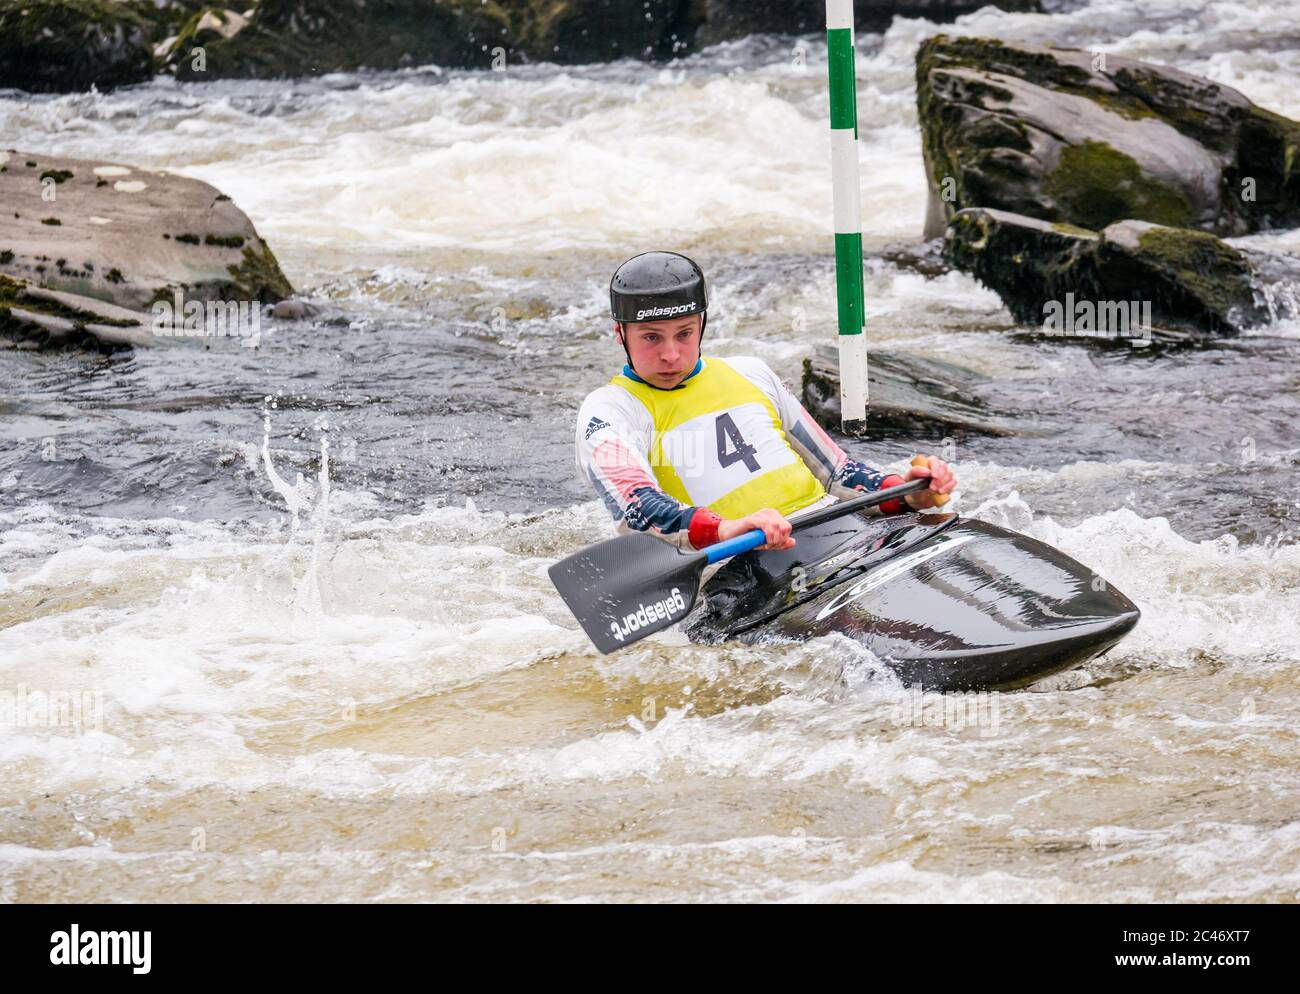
389 702
440 703
727 150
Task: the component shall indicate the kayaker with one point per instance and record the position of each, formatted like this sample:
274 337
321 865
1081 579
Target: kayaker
697 450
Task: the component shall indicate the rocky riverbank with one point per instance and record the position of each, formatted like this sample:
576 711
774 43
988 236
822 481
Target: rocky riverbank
70 45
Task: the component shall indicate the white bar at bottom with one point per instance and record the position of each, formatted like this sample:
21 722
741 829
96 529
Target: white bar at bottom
853 378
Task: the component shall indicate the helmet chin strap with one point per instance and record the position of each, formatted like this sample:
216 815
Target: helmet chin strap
622 338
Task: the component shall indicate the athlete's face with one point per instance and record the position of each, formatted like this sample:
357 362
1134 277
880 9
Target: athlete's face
664 352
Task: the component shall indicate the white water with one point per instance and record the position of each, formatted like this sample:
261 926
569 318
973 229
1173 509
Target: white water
537 160
439 669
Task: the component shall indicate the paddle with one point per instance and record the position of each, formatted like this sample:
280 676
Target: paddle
635 585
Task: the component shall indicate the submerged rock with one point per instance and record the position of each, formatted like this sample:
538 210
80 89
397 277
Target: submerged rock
32 317
1068 136
1186 282
909 396
129 236
294 309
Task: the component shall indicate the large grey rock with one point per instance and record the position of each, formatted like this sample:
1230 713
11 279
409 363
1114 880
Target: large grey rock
1056 134
128 236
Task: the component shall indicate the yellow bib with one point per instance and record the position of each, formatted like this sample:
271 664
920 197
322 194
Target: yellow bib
718 443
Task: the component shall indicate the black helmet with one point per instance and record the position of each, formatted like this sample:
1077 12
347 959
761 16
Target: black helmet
655 286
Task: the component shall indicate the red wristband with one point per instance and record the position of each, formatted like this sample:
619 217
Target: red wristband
897 505
703 529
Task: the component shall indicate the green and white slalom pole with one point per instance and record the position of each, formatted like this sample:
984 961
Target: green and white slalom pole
848 211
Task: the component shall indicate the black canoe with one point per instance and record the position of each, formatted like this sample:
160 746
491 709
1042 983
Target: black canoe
948 603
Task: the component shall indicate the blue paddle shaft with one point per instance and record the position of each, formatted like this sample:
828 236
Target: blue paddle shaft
753 539
735 546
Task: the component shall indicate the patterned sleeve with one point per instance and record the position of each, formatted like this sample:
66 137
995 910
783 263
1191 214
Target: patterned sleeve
613 439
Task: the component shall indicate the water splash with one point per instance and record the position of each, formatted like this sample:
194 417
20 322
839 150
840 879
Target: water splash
296 497
302 497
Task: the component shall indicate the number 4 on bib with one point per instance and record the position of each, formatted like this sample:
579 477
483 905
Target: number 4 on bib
742 452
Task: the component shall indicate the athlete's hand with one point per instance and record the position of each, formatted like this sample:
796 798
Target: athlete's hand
942 482
775 528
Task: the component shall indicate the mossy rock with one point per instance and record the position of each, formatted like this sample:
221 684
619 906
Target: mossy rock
258 277
1027 262
1095 184
15 293
1055 134
60 46
10 291
165 18
1193 283
206 27
1186 271
287 38
37 318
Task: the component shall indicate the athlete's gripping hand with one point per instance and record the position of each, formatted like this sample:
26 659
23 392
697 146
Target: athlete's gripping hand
942 482
775 528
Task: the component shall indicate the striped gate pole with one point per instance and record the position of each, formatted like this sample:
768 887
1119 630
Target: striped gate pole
848 210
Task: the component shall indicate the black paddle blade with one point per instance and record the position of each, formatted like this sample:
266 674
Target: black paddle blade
629 587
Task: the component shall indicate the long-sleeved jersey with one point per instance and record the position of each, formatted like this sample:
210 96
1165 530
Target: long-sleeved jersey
728 441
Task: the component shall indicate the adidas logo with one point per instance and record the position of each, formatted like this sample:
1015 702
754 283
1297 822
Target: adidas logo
594 426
